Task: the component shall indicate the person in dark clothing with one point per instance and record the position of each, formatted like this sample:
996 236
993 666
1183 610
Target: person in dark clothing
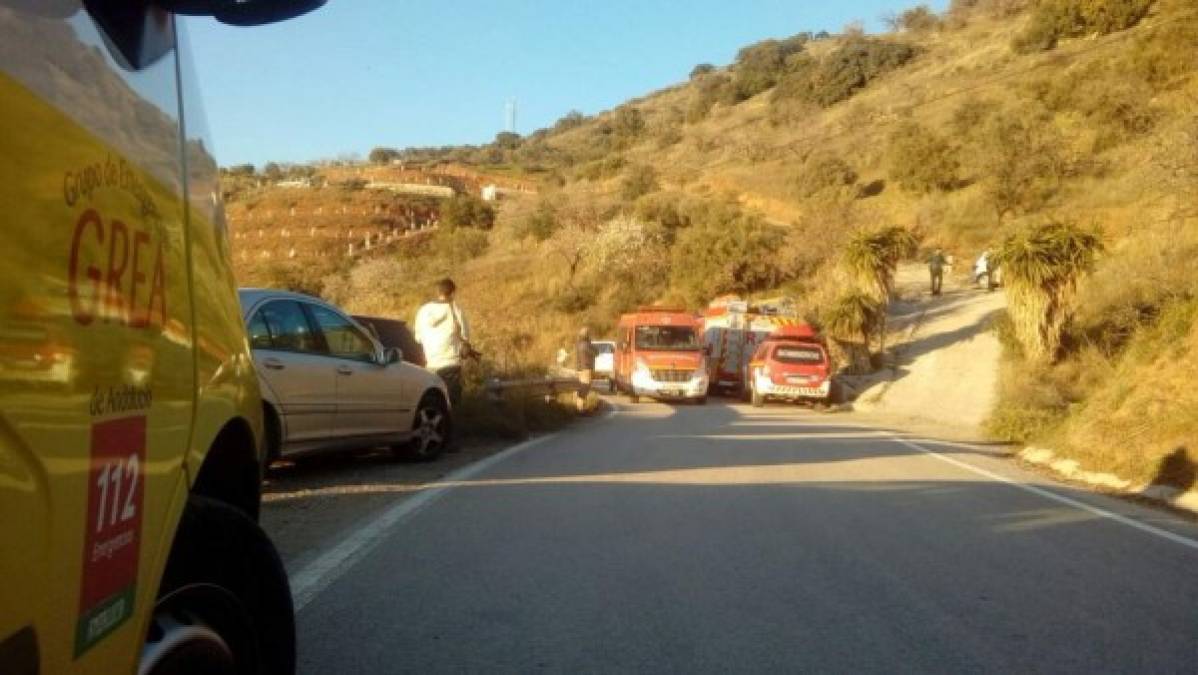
936 268
584 363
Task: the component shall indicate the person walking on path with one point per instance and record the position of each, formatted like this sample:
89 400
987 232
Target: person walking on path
442 331
936 267
584 363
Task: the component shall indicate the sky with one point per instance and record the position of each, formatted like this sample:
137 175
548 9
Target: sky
358 74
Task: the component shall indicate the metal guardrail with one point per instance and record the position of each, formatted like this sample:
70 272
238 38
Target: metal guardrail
550 386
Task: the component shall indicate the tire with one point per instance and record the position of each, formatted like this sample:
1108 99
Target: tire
224 605
835 394
702 400
432 430
757 399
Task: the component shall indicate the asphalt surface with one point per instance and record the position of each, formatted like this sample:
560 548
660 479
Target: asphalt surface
726 538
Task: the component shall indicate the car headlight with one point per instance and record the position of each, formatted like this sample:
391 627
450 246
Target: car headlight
641 375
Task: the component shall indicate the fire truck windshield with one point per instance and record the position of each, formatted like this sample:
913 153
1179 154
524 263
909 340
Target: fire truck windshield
666 338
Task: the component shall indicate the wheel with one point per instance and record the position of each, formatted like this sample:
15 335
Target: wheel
757 399
702 400
431 430
632 396
835 394
224 605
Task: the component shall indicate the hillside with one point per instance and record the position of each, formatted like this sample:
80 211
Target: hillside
967 130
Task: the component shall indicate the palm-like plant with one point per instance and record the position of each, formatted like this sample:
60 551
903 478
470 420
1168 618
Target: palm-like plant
872 257
1041 266
853 315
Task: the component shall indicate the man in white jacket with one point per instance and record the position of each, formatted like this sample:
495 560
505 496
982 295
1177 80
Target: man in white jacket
442 331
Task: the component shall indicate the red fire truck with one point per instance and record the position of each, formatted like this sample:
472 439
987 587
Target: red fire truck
733 329
660 354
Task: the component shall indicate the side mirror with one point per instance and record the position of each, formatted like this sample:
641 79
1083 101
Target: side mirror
242 12
392 355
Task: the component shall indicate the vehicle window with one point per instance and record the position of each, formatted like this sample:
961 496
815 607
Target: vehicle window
289 328
259 332
344 339
604 348
799 354
673 338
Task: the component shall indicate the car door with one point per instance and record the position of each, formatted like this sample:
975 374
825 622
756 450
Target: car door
291 360
372 397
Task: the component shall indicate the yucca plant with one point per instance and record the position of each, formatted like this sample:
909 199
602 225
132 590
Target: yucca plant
1041 267
872 257
854 315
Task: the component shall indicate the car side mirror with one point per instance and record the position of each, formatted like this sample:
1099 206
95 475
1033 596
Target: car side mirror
242 12
392 355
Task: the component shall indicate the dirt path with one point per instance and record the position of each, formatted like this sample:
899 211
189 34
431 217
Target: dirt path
944 372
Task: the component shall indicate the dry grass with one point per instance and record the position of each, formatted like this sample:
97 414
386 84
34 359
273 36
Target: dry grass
1118 173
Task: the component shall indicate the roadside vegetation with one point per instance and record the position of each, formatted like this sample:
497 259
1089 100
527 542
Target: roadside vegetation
1059 134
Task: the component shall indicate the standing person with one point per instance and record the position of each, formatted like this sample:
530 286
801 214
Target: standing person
584 363
981 268
442 331
936 267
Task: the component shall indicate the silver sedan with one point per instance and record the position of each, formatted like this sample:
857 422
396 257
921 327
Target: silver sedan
327 384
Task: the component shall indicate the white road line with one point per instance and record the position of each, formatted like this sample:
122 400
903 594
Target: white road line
310 581
1048 494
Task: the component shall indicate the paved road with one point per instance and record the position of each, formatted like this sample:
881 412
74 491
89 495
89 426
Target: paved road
723 538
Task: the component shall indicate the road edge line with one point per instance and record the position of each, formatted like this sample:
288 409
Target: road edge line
1053 496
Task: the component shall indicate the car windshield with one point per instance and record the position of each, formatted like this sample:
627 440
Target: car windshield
604 348
662 338
799 354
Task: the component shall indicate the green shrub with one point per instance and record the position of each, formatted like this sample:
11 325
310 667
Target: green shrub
1163 56
514 417
922 161
664 208
573 300
701 70
709 90
640 180
843 72
383 155
541 223
732 257
759 66
458 245
602 168
1020 160
628 123
970 116
240 170
570 120
467 211
1052 20
824 171
919 19
508 140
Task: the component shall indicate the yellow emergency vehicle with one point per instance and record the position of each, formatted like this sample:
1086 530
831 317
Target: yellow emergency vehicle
130 418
